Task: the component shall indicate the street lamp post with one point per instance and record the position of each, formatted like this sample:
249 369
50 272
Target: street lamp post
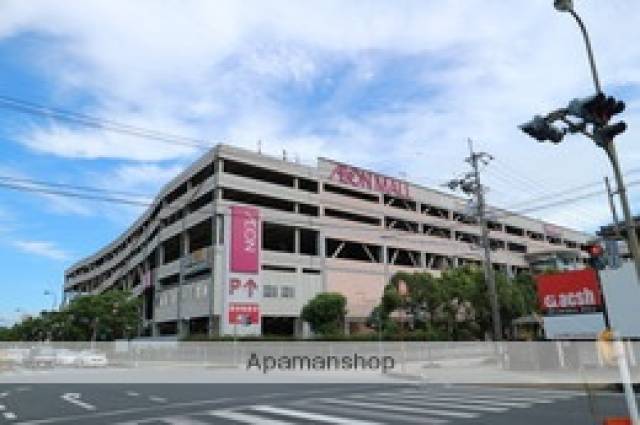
567 6
55 299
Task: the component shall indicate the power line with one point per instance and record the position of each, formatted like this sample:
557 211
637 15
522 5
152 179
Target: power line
535 187
100 123
571 189
73 194
579 216
104 195
72 186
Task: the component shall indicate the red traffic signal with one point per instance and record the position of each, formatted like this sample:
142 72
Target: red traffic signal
595 250
597 109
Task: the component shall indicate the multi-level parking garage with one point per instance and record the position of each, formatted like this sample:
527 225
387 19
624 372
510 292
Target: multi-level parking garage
332 227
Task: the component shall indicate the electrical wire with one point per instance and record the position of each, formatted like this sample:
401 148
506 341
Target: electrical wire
27 107
13 179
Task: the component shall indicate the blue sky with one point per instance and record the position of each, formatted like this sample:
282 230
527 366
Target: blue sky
393 86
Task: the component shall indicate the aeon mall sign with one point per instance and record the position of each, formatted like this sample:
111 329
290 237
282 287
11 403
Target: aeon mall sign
242 284
363 179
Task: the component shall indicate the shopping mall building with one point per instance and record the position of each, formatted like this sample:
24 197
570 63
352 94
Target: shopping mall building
240 241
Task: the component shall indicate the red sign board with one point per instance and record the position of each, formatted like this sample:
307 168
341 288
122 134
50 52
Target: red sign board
575 291
245 239
244 314
364 179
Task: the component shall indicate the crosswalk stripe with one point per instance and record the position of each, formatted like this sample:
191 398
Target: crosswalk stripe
514 399
311 416
436 412
390 417
523 390
246 418
182 420
510 404
460 404
490 396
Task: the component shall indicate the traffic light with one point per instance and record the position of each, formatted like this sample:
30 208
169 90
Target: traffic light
541 130
597 109
596 256
605 134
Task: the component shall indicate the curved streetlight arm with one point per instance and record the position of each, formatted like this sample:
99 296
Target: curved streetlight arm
587 42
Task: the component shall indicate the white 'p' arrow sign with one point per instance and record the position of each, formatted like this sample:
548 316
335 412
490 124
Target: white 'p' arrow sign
74 398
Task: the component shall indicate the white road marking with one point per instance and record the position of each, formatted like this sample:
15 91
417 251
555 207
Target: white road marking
10 415
246 418
2 408
132 394
523 390
484 397
459 404
311 416
389 417
182 420
158 399
472 401
3 395
74 398
420 410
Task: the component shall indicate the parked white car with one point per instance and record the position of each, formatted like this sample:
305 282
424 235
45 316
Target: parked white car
91 358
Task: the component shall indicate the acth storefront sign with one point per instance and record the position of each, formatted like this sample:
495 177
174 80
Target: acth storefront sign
242 292
364 179
575 291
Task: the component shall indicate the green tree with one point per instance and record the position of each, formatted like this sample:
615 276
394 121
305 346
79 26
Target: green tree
103 317
325 313
455 305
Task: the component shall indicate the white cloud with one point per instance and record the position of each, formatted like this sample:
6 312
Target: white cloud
224 71
42 248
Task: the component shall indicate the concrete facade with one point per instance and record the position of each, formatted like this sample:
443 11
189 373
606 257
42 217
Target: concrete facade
333 227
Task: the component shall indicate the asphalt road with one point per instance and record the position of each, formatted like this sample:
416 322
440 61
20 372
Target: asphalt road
276 404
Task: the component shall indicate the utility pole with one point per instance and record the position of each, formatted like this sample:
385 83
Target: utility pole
472 185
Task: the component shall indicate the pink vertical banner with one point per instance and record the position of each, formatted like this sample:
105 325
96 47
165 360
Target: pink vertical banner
245 239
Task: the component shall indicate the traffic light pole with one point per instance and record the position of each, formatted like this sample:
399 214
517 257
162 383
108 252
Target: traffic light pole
612 207
632 236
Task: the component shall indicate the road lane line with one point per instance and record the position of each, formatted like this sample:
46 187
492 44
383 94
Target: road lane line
380 406
10 416
158 399
132 394
2 395
90 416
246 418
311 416
103 414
